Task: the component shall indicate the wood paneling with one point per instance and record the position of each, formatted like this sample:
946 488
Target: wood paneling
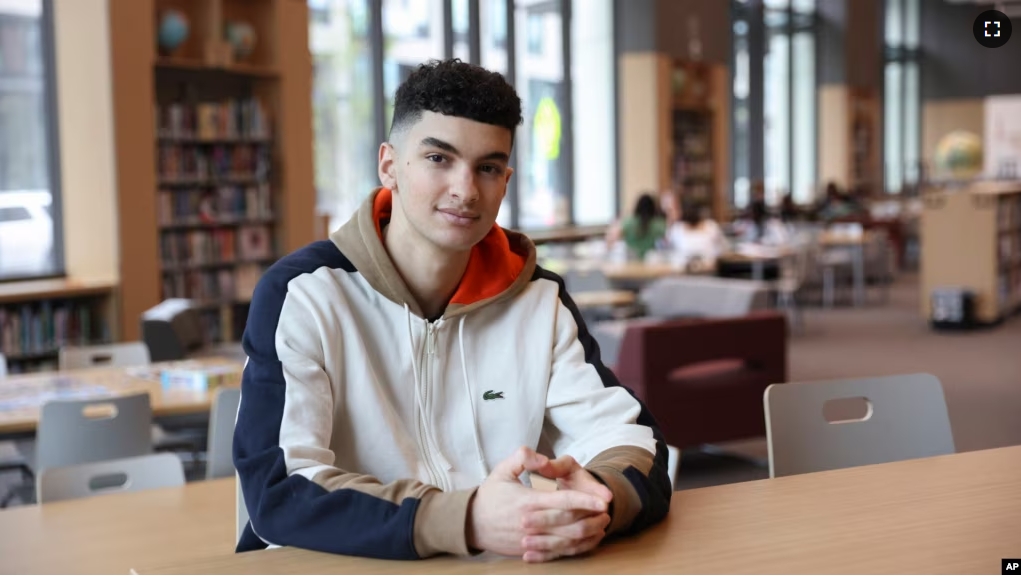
132 46
298 190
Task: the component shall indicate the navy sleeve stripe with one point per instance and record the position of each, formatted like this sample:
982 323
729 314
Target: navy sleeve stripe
291 509
655 489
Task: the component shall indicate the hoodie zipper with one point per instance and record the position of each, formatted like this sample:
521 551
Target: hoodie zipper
429 351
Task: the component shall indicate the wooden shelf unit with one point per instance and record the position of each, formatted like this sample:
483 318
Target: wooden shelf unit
214 155
694 131
37 317
971 238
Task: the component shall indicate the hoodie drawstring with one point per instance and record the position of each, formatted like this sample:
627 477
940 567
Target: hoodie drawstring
471 402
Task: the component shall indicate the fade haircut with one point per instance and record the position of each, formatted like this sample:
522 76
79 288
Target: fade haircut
456 88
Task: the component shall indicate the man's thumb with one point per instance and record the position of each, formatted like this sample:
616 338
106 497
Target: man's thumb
523 459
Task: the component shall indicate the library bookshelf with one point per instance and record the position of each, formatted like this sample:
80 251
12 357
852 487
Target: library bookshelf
38 317
214 148
971 239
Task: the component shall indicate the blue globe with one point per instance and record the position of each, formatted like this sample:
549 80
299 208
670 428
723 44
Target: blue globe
173 30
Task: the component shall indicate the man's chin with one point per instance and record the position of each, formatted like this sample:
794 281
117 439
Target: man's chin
458 239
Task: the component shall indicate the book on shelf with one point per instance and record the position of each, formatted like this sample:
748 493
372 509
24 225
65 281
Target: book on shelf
41 328
218 287
231 119
225 204
192 164
255 242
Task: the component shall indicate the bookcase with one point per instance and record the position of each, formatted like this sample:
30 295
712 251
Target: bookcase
38 317
971 238
214 146
693 153
696 113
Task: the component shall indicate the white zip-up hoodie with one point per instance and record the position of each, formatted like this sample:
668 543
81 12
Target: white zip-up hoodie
365 429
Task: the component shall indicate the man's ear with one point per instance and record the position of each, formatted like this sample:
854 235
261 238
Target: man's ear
387 166
507 174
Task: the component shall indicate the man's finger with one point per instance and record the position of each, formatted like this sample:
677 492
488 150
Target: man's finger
566 500
559 467
580 529
516 464
575 549
541 520
584 481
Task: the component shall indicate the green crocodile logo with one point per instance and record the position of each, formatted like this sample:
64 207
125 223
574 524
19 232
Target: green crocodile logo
490 395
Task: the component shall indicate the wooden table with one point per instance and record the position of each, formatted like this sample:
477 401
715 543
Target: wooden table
955 514
640 271
110 534
20 396
601 298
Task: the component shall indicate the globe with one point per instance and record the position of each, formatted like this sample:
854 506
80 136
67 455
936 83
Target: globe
173 30
241 36
959 155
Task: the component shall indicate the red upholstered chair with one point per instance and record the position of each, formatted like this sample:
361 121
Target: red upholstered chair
703 379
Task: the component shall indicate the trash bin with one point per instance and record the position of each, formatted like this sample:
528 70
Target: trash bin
953 307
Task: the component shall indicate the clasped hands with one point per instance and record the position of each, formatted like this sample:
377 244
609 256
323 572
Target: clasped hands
509 518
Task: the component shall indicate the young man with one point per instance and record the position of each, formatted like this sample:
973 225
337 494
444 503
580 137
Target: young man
402 376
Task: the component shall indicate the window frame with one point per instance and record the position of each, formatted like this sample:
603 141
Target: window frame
753 14
906 56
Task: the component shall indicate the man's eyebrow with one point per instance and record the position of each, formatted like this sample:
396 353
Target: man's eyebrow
437 143
448 147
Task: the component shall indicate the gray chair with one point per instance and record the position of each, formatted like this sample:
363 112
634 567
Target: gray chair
906 417
81 431
178 435
585 279
110 476
122 354
219 460
11 459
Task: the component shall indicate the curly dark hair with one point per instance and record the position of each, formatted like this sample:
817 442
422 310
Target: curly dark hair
456 88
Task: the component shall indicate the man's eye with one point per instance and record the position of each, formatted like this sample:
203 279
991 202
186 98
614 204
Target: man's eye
435 158
490 169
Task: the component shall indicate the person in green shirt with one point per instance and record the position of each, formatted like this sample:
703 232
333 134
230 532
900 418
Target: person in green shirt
644 228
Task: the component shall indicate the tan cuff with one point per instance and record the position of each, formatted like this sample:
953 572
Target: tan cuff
626 504
440 523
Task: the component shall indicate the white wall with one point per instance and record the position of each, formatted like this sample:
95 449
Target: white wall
85 117
834 135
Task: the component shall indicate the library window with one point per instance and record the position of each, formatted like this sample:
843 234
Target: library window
902 97
29 198
364 49
774 123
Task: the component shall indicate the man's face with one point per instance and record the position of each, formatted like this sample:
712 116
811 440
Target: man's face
448 176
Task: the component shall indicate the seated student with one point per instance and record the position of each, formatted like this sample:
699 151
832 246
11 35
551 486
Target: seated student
642 231
669 206
403 374
838 205
696 240
763 228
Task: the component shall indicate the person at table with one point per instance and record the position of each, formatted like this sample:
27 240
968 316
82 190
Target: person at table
669 206
838 205
695 240
642 231
761 227
404 374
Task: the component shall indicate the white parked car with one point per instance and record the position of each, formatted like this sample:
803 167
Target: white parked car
26 233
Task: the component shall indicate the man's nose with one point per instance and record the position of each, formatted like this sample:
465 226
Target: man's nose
465 187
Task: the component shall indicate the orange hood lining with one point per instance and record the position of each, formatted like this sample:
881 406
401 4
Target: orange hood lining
492 265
